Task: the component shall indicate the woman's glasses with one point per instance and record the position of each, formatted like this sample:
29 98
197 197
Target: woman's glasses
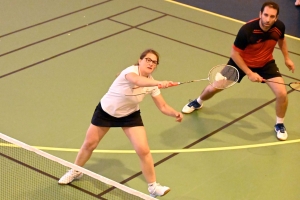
149 60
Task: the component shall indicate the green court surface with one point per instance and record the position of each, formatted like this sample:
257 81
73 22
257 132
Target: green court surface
57 59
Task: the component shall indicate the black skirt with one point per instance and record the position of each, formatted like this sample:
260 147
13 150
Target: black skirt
101 118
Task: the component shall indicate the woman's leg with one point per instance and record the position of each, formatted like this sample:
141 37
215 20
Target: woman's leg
93 136
138 138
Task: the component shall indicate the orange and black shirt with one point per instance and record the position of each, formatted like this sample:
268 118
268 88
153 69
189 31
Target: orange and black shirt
255 45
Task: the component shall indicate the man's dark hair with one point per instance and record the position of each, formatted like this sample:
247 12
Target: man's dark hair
270 4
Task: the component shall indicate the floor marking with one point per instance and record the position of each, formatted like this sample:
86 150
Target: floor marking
205 11
167 151
218 15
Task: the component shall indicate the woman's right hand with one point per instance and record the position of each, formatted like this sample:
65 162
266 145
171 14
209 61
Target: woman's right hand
166 84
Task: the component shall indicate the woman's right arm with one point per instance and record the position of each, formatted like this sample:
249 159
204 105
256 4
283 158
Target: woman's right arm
145 82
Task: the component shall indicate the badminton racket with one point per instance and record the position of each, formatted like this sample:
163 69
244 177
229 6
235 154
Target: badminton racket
220 77
293 85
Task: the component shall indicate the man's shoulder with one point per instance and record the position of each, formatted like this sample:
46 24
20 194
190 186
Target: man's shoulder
279 23
252 23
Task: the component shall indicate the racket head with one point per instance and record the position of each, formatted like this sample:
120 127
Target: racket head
223 76
295 86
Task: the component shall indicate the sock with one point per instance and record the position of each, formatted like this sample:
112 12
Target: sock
199 100
279 120
151 184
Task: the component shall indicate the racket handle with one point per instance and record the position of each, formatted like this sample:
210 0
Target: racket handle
170 84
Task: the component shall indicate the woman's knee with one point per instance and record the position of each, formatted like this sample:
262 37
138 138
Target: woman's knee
90 145
143 152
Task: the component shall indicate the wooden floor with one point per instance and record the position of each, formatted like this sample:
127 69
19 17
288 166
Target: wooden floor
247 10
58 58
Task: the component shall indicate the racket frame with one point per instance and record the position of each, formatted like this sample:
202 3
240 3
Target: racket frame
207 79
287 84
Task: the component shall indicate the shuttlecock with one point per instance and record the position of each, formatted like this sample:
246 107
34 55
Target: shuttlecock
220 77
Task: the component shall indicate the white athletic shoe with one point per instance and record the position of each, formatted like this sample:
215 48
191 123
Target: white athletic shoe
281 132
191 106
70 176
158 190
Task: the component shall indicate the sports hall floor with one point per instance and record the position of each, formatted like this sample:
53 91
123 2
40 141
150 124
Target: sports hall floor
57 59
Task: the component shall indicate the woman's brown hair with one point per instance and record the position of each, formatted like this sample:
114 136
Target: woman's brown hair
142 56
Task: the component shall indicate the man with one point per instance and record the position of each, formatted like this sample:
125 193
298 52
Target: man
252 55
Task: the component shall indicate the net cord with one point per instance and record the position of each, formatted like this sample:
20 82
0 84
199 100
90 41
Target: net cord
76 167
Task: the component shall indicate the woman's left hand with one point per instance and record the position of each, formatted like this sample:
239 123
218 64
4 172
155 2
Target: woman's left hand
179 117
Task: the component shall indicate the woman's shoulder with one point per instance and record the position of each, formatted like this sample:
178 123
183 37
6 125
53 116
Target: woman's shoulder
132 68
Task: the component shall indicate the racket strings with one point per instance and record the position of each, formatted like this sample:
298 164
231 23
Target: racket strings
223 76
295 85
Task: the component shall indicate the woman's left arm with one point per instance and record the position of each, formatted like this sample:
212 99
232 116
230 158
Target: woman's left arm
166 109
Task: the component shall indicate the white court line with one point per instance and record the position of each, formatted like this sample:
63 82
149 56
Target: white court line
221 16
167 151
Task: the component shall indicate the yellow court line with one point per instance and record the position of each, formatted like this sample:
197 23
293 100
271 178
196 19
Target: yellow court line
217 15
205 11
168 151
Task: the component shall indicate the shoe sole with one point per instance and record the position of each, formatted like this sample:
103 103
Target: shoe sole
278 137
166 192
72 180
193 110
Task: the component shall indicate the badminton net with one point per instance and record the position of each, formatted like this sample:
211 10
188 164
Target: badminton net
29 173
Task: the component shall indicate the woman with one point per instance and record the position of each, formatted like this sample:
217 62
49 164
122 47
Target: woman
119 107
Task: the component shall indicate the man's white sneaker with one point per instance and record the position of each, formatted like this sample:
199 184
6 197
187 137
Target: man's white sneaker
281 132
158 190
191 106
70 176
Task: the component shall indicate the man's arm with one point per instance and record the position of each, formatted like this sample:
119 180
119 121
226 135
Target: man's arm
283 47
252 76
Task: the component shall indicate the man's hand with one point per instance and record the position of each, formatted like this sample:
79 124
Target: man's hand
289 63
254 77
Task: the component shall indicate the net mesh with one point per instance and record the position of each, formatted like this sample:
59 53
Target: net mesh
29 173
223 76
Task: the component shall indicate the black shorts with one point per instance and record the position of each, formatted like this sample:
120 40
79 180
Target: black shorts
270 70
101 118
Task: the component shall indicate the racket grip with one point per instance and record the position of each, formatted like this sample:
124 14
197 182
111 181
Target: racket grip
170 84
